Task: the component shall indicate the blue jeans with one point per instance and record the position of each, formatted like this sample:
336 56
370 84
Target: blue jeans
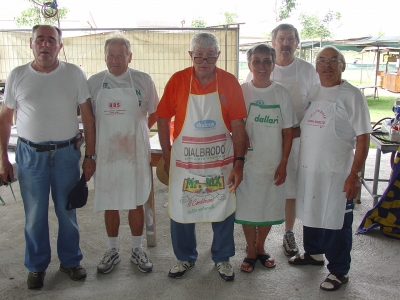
335 244
38 174
184 240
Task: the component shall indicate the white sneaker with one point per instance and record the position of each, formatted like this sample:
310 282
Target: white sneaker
110 259
141 258
225 270
289 244
180 269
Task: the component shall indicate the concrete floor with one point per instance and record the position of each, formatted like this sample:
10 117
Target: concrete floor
374 272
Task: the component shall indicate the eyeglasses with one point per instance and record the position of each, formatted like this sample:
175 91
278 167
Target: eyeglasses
265 62
289 40
332 62
210 60
117 57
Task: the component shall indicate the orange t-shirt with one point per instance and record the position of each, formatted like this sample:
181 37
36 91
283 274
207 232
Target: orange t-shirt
176 94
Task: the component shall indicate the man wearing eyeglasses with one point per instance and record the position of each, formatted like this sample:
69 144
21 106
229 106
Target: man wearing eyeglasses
335 123
208 105
124 101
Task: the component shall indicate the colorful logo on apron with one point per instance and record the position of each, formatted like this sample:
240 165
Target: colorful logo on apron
205 125
201 195
317 118
266 119
114 109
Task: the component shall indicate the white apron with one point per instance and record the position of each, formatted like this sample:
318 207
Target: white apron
325 162
259 200
201 162
293 160
123 177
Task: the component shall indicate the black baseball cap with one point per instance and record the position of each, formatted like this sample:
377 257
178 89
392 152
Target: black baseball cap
77 198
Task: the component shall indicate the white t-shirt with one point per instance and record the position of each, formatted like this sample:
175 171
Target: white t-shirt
352 113
46 103
305 75
271 95
142 82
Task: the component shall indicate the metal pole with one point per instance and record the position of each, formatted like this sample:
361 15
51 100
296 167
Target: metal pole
376 71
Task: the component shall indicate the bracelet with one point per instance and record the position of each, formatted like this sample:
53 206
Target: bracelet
239 158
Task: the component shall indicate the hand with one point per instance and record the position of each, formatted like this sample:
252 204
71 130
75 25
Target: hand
280 174
352 186
236 176
248 145
6 171
89 167
166 165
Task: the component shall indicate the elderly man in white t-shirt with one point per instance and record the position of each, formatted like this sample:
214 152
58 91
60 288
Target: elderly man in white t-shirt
334 144
124 102
46 93
297 76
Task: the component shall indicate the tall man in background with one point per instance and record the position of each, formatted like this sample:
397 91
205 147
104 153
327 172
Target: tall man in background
46 93
298 76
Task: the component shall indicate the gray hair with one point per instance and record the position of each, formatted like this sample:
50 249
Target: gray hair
204 40
261 48
340 54
49 26
118 38
284 26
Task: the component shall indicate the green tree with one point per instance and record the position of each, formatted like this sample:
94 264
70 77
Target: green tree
230 17
33 15
286 9
200 23
314 27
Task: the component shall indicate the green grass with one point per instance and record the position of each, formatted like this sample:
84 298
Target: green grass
380 108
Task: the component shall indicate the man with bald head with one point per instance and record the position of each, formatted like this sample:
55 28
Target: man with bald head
335 123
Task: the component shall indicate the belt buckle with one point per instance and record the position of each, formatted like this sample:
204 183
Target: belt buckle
55 147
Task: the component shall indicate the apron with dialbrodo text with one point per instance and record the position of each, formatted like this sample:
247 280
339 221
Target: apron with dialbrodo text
201 162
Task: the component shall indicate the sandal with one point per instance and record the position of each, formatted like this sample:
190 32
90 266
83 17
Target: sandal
305 259
266 260
251 262
333 282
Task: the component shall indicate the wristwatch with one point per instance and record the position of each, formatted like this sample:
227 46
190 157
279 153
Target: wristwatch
94 157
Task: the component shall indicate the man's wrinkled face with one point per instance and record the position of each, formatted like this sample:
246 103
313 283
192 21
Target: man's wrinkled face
45 45
117 58
285 44
329 67
204 60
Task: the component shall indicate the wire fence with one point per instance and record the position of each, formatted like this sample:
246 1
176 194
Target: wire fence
157 51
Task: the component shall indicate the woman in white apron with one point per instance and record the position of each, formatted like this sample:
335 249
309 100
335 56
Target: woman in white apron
261 195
